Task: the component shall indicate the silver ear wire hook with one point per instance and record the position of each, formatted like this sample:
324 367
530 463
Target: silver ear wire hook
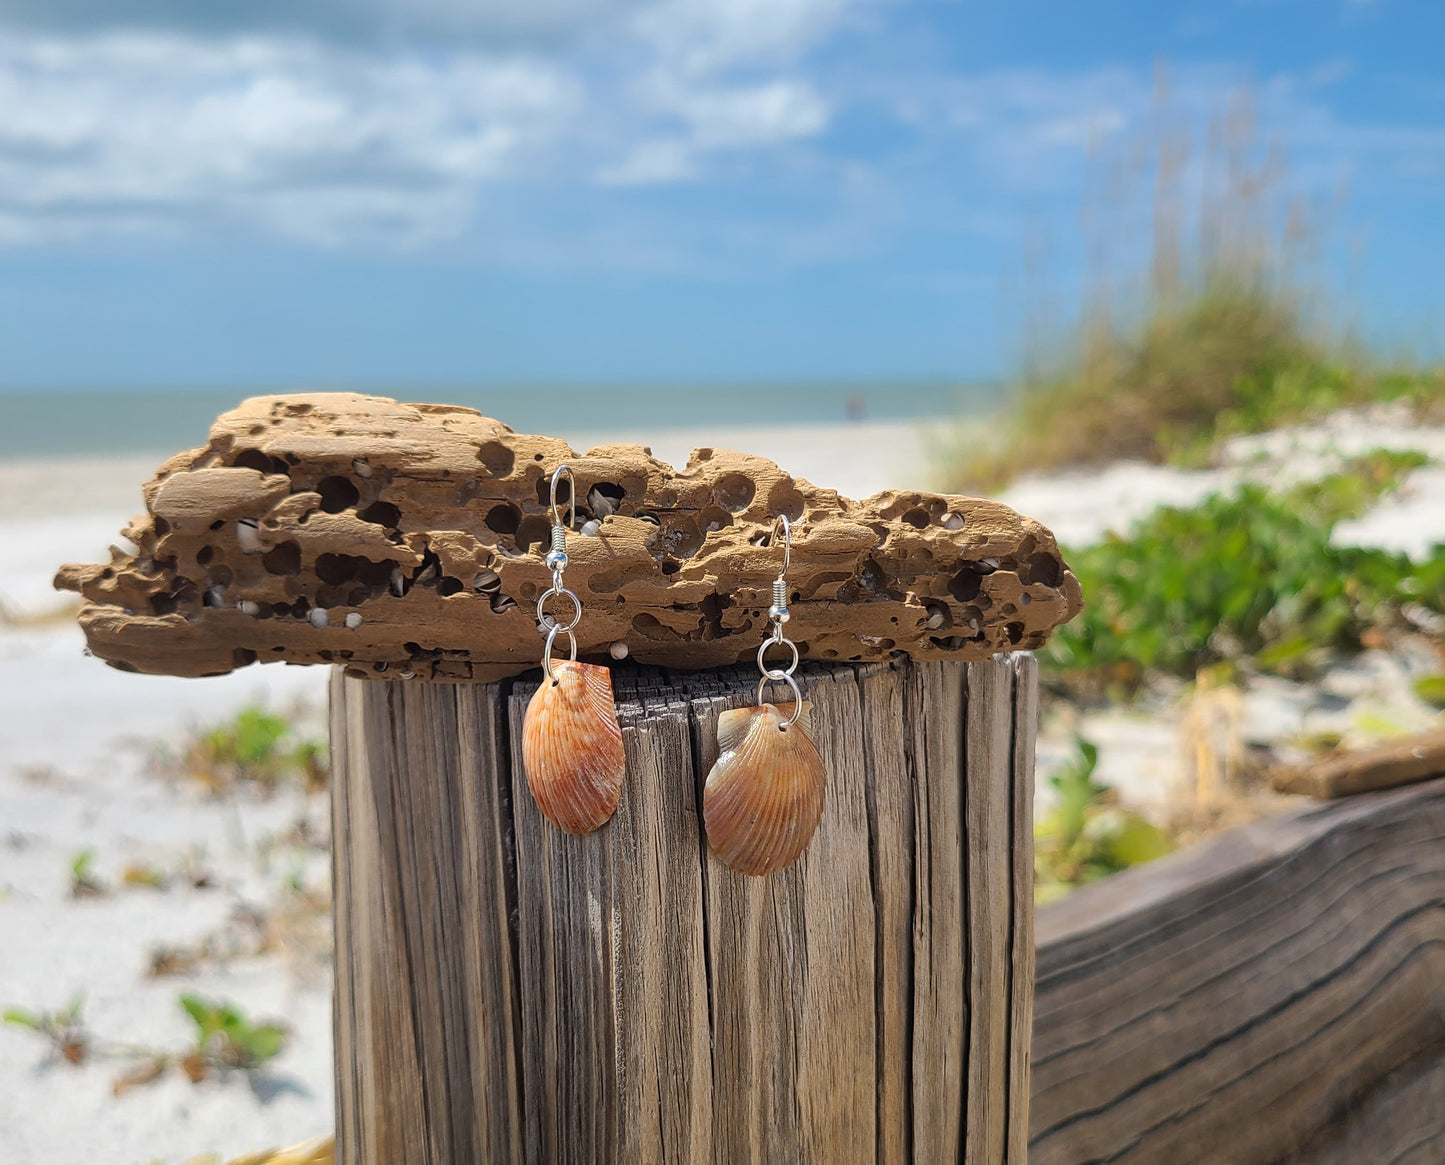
557 556
557 562
779 614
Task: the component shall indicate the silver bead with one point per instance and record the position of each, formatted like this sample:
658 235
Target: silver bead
778 614
556 560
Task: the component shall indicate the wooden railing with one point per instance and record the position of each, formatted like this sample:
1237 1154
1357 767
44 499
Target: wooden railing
1276 995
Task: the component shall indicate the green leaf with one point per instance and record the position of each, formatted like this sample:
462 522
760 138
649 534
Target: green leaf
22 1018
200 1011
1287 652
1138 841
262 1042
1431 689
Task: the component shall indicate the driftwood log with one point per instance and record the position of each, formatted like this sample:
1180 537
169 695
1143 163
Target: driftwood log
397 538
505 992
1271 997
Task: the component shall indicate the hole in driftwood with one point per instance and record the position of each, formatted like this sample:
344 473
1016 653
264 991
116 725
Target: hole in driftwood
283 559
564 494
605 498
381 514
503 519
534 529
681 537
496 458
964 586
337 493
713 519
335 569
734 491
785 499
261 462
1041 568
649 627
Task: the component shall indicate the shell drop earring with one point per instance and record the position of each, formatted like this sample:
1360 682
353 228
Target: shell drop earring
764 796
571 741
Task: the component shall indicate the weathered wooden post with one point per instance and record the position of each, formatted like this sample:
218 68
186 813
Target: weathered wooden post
507 992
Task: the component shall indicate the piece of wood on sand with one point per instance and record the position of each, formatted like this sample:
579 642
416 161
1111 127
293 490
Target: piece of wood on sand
1385 766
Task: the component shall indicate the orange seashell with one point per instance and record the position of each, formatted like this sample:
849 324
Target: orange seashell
764 795
572 747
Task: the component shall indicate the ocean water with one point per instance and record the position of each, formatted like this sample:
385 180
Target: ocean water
45 424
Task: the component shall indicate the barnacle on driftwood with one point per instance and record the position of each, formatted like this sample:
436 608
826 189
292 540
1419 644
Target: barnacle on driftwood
408 539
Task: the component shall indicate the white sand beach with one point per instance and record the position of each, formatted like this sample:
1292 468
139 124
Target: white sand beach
75 741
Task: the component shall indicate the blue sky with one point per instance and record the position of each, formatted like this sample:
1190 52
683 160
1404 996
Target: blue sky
394 193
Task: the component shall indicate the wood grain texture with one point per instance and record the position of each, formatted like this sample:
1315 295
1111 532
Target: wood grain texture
1400 1122
1238 1001
410 538
625 997
940 917
1021 963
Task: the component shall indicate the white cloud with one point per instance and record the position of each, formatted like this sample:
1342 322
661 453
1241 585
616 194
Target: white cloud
690 99
652 163
720 117
706 36
306 140
715 119
326 140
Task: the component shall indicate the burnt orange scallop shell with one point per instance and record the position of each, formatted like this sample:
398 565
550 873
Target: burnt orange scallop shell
572 747
764 796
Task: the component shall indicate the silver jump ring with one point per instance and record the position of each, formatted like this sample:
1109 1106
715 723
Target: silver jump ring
547 651
783 677
546 620
767 643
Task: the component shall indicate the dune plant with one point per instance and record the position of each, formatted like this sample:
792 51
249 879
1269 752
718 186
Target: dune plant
226 1039
1218 325
64 1028
1086 835
1253 575
256 748
84 882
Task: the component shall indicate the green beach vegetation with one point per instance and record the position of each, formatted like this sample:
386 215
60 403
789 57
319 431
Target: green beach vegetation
1253 578
256 748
